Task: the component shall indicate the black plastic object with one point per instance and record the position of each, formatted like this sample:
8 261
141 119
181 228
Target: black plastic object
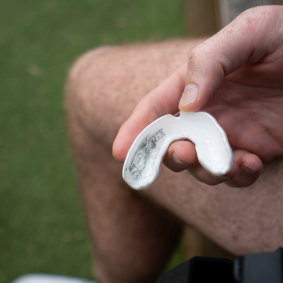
201 270
253 268
260 268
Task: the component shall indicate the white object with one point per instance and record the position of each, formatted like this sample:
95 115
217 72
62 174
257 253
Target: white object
48 278
142 164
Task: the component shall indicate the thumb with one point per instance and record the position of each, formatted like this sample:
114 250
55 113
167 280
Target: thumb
244 41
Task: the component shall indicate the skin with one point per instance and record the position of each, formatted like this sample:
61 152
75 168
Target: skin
101 84
239 83
126 226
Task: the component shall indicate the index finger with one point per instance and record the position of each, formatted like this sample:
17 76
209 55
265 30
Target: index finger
162 100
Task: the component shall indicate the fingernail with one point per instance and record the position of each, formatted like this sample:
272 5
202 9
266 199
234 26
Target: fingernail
250 170
177 160
189 95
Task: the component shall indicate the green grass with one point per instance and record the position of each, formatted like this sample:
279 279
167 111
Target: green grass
42 228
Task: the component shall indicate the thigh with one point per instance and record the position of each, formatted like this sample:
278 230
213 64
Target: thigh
242 220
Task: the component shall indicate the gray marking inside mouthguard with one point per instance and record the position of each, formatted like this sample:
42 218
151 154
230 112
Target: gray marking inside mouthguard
144 152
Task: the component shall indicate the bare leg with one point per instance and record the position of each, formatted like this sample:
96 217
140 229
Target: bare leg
133 238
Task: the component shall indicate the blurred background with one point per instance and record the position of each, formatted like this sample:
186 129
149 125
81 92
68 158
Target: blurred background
42 228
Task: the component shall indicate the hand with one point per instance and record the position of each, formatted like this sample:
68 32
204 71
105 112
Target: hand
237 76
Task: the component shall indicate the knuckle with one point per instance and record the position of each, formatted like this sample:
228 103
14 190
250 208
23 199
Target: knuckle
198 55
255 16
193 58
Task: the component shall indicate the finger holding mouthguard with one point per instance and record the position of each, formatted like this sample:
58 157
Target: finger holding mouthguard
143 161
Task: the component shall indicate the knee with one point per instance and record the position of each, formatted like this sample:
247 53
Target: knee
89 97
82 88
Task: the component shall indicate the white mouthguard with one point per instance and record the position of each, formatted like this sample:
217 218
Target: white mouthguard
142 164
